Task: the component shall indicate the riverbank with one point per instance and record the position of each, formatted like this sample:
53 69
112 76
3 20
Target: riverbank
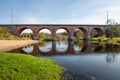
27 67
7 45
114 40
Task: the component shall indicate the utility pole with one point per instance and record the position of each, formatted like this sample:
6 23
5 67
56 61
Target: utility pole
107 18
11 18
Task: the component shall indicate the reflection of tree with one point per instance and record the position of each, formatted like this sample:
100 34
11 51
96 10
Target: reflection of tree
79 43
112 48
98 47
112 51
42 43
110 58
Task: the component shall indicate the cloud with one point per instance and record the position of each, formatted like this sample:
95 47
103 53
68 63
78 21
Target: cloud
30 20
114 13
99 16
93 17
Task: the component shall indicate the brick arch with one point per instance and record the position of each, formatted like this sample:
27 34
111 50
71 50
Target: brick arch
22 29
44 28
62 28
84 30
99 31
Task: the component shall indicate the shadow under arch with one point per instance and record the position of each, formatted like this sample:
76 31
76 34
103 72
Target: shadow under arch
99 31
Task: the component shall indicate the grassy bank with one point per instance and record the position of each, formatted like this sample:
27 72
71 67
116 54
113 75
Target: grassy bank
27 67
6 35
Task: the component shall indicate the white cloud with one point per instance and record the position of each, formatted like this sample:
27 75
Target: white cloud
94 17
114 13
99 16
30 20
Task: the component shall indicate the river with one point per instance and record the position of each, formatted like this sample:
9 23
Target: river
82 60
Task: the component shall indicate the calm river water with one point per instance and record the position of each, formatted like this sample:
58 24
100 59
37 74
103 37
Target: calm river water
82 60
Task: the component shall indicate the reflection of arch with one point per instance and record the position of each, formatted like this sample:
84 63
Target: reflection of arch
99 31
37 51
47 48
78 46
87 48
61 48
84 31
28 49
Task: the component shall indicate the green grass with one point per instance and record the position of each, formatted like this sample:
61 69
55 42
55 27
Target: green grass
27 67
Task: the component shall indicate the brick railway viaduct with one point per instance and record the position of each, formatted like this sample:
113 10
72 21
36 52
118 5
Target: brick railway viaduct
17 29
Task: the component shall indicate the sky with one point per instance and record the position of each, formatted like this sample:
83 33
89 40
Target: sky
58 11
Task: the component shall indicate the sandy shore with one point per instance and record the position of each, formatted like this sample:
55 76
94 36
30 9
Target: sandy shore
7 45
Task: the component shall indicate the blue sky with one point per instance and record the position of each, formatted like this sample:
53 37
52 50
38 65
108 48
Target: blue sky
59 11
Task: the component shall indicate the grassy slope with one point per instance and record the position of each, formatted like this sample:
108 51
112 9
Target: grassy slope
26 67
6 35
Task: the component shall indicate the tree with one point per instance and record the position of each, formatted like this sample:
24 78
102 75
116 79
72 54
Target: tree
78 34
42 35
112 29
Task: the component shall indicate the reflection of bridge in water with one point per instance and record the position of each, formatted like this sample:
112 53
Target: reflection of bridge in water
110 51
87 48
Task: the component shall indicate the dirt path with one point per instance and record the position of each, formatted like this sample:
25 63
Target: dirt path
7 45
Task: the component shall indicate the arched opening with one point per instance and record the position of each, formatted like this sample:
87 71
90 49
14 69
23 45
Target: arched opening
96 32
62 38
45 35
61 35
80 34
26 34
